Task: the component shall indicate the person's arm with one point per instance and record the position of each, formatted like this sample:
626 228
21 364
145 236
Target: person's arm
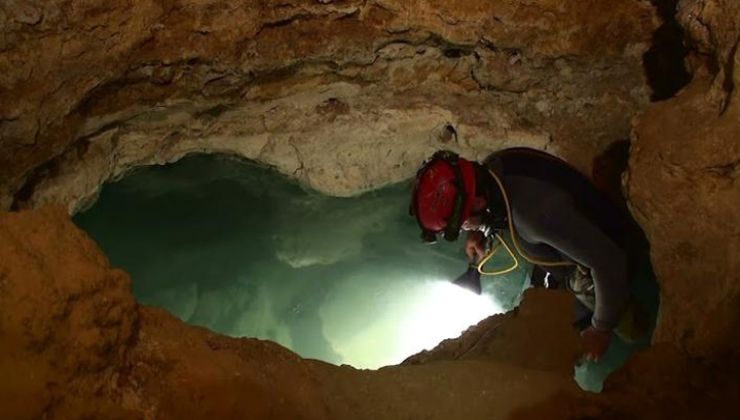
560 225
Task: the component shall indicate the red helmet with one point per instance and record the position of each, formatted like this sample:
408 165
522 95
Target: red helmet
444 194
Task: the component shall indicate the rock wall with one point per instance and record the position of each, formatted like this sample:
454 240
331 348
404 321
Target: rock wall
92 352
683 187
343 95
348 95
661 383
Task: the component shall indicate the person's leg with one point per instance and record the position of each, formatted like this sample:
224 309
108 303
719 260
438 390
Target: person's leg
634 324
582 318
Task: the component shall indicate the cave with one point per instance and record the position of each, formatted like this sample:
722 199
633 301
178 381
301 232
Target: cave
343 100
242 250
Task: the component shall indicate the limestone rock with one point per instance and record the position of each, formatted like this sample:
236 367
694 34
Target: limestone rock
67 322
87 94
661 383
683 189
546 318
347 96
74 344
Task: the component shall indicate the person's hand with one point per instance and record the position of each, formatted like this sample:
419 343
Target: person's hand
475 246
595 343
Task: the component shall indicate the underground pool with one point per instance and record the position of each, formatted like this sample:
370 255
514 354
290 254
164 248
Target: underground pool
240 249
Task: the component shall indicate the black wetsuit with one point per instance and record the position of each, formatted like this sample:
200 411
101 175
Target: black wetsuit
559 215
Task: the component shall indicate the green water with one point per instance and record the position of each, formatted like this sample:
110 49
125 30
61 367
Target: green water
242 250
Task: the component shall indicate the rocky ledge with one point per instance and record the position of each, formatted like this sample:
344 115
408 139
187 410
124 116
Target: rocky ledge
345 96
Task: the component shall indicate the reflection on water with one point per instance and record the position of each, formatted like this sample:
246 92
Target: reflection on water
244 251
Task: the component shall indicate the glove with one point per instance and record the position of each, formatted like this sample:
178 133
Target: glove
595 343
469 280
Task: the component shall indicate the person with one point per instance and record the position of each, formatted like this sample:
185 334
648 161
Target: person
553 216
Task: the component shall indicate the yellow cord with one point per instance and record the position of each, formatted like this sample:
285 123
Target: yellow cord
514 242
492 253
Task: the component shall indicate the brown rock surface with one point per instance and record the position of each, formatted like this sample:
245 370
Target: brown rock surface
349 95
662 383
545 318
683 188
91 89
74 344
67 320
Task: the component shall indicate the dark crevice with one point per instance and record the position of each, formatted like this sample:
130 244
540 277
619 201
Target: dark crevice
729 83
51 169
449 49
283 22
664 62
453 53
47 170
607 170
354 15
449 134
725 170
212 112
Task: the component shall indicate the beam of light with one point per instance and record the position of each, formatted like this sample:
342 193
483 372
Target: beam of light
442 311
415 316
